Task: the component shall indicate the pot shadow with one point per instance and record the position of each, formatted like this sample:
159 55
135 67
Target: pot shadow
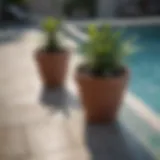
113 142
59 99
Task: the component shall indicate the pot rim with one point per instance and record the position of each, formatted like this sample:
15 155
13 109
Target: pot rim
39 51
82 75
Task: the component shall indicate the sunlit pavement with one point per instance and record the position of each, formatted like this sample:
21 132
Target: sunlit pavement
37 124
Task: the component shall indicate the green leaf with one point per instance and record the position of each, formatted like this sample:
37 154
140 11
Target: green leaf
50 24
105 48
92 31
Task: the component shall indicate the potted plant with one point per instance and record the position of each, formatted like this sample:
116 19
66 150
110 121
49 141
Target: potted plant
103 77
52 58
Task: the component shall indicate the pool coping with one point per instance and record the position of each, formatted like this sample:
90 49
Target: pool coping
150 20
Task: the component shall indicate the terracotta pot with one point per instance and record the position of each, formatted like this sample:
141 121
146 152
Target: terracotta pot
52 68
101 97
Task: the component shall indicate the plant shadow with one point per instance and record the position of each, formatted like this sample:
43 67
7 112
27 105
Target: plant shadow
113 142
59 99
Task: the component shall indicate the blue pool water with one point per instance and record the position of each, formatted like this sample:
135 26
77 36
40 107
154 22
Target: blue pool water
145 65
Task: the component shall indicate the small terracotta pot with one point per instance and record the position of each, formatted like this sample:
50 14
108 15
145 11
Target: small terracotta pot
101 97
52 68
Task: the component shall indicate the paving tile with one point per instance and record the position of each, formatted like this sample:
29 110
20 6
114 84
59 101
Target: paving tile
22 96
75 154
22 115
50 136
12 142
16 157
76 124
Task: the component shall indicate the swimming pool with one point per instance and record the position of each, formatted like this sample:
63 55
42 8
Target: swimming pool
144 64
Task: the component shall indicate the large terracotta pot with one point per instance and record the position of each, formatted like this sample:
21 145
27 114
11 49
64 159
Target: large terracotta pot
52 68
101 97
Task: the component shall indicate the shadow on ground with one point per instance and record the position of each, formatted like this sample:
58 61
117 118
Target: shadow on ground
59 99
105 142
113 142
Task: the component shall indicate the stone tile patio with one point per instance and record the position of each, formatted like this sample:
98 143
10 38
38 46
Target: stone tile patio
38 124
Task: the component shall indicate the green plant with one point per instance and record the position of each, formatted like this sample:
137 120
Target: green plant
105 50
51 26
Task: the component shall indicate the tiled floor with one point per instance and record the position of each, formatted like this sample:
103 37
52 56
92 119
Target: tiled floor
36 124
